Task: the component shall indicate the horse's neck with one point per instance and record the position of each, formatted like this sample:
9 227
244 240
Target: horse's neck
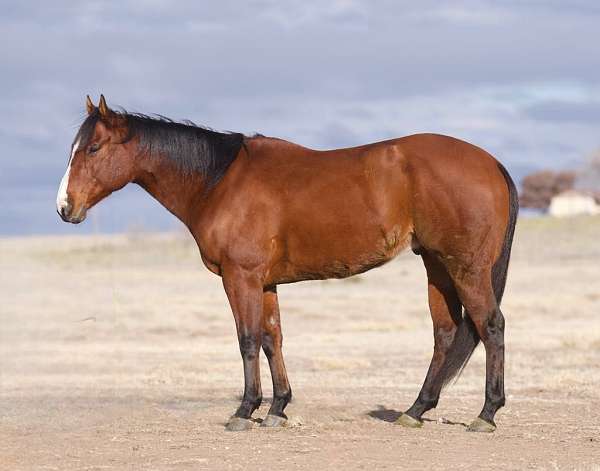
177 192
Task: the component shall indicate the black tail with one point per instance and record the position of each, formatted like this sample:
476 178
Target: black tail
500 268
466 338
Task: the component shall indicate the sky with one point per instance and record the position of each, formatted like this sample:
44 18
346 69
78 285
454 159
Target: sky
519 78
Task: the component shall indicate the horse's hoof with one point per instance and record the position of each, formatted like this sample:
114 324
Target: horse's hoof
480 425
237 424
407 421
273 421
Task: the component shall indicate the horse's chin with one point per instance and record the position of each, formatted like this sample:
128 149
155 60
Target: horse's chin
76 218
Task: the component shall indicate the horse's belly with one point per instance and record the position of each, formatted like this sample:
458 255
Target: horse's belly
339 255
347 224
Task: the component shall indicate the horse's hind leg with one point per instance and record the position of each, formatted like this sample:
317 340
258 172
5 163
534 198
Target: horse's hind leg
271 344
454 339
476 294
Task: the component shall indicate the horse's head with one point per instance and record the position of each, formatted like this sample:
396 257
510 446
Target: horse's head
101 162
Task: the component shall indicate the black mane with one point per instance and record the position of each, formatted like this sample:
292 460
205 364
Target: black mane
193 148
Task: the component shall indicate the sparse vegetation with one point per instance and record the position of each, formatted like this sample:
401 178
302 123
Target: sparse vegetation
125 347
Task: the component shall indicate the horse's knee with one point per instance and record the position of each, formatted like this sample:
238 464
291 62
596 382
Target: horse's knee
285 396
249 346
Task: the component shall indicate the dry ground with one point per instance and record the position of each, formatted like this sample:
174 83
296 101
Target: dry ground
119 353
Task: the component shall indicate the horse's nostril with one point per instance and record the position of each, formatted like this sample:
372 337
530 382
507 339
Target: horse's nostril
65 211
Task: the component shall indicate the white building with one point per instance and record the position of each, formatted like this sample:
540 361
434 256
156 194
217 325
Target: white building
572 203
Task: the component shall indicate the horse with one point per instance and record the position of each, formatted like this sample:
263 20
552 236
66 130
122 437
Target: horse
264 212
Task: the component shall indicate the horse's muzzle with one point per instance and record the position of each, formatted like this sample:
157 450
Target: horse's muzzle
67 215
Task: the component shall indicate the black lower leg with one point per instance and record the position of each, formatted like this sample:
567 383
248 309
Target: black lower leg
282 393
430 392
249 348
494 383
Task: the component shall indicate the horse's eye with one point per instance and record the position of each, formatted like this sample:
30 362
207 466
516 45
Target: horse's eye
93 148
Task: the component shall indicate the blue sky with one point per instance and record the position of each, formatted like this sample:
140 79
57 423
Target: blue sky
519 78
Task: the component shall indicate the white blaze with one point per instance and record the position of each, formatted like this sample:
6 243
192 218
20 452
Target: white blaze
61 197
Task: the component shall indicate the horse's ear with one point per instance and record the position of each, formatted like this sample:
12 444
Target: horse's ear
89 105
103 107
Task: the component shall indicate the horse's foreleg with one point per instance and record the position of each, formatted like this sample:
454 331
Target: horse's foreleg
245 293
271 344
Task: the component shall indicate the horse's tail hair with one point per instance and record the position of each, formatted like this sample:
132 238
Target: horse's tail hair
500 268
466 337
464 343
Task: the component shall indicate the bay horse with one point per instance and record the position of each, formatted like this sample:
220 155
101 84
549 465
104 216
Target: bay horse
264 211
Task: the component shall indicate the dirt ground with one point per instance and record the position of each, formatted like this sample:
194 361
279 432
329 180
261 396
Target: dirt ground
119 353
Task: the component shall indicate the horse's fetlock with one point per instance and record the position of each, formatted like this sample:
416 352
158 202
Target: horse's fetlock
286 396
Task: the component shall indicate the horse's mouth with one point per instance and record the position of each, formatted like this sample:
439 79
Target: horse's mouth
77 218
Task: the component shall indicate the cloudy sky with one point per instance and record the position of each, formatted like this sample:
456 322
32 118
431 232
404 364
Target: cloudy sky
519 78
